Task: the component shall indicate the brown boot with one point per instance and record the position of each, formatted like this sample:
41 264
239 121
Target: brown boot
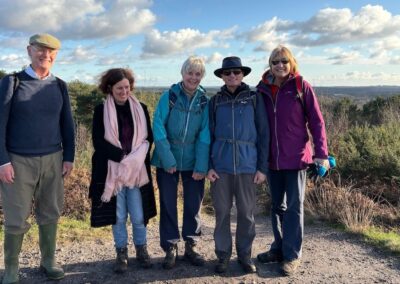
192 255
142 256
170 257
289 267
121 261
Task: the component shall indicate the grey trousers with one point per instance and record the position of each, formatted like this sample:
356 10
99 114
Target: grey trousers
38 179
243 189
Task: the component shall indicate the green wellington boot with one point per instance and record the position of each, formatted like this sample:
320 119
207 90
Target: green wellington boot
47 243
12 248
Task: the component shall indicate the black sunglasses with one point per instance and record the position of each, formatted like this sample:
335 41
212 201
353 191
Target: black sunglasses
228 72
276 62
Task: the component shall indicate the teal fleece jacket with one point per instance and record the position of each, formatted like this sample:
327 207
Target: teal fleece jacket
181 132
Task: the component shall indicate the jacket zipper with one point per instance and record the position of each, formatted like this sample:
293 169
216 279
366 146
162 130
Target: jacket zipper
233 131
275 127
233 136
187 123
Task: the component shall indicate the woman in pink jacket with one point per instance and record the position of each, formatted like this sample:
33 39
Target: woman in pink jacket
292 110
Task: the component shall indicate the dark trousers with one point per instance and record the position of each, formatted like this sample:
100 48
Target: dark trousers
193 193
287 212
223 191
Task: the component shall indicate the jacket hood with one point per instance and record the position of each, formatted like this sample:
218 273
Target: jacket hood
267 78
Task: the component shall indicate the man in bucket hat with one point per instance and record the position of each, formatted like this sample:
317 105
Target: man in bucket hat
238 162
36 152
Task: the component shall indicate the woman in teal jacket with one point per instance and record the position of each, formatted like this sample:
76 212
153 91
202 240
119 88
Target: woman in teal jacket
182 140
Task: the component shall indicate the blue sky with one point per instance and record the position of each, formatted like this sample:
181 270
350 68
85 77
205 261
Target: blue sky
347 43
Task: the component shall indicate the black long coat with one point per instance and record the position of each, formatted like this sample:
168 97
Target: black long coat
103 214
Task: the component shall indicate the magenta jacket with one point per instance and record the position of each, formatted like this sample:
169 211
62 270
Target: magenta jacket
291 147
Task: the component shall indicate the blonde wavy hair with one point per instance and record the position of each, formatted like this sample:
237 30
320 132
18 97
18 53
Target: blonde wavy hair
282 51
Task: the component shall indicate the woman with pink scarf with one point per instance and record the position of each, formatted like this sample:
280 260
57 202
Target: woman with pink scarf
121 178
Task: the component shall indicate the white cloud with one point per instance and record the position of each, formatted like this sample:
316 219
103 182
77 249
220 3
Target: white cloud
80 55
182 41
78 19
270 34
214 58
395 60
383 50
83 76
345 58
363 78
13 61
340 25
328 26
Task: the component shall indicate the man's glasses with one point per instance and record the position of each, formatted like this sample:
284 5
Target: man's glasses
283 61
228 72
43 50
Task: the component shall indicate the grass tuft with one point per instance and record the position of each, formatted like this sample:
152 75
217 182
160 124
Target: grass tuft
390 240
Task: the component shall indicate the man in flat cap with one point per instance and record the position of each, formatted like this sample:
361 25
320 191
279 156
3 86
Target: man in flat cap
36 153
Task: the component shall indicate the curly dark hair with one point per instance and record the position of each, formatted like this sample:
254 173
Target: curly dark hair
112 76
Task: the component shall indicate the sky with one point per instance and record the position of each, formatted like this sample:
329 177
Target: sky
336 43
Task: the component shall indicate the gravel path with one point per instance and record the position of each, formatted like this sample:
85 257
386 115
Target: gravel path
329 256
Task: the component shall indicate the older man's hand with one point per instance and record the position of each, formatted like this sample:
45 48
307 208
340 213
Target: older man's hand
259 178
7 173
67 169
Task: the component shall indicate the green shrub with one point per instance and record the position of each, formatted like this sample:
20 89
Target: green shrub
380 110
371 151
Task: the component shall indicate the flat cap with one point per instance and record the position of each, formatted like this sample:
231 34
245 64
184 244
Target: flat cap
45 40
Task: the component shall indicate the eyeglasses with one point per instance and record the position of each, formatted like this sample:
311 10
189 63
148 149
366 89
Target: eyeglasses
228 72
43 50
283 61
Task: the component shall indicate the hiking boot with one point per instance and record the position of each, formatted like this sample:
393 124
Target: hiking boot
270 256
192 255
247 265
47 244
170 257
289 267
222 265
121 261
142 256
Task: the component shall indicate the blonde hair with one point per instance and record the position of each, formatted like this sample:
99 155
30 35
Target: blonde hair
284 52
193 63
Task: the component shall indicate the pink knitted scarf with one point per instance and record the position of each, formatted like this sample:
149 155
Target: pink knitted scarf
131 171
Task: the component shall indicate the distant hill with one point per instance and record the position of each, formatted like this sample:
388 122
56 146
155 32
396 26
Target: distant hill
360 94
367 92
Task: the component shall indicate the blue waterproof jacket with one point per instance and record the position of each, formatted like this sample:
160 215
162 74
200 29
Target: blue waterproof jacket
181 132
239 132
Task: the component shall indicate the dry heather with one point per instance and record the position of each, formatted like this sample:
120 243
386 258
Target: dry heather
76 202
340 204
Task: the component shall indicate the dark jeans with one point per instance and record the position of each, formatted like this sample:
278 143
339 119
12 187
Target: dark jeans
193 193
287 212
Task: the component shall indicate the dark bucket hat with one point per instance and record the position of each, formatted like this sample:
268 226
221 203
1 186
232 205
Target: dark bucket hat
232 62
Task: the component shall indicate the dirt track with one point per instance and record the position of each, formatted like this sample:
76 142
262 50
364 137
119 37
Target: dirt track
329 256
